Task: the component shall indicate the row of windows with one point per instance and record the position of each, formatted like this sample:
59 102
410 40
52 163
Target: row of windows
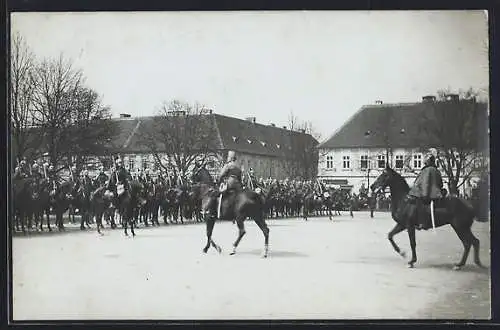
381 162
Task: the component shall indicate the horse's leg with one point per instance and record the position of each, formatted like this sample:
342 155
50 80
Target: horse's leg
466 241
241 233
47 213
132 228
124 223
265 230
396 230
210 228
83 217
413 245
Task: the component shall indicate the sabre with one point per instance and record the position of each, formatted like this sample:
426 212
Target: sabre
432 217
220 206
250 180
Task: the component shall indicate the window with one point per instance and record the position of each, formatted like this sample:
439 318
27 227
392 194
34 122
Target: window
346 162
417 161
364 162
381 161
399 161
329 162
131 163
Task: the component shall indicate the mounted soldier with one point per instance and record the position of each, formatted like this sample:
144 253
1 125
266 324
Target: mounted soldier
35 172
427 188
201 174
52 176
231 174
119 181
101 178
229 177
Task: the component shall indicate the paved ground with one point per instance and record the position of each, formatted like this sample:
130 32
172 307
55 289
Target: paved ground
316 269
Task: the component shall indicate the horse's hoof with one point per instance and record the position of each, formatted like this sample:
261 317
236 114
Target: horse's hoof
205 250
232 253
402 254
410 265
457 267
264 255
219 249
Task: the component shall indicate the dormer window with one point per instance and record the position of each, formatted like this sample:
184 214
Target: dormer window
234 138
249 141
278 146
263 143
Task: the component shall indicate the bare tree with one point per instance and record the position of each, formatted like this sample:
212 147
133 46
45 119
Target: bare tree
304 154
57 85
91 126
184 133
21 95
457 126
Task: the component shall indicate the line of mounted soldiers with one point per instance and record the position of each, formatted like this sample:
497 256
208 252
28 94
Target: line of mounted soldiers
164 194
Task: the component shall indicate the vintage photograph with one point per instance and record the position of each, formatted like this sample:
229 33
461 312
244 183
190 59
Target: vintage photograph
249 165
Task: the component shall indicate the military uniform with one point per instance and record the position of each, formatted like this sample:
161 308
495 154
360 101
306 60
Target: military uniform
428 186
119 176
201 175
101 179
231 175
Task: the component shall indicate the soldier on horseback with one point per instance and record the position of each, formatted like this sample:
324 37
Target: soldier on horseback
101 178
231 174
201 174
35 172
119 181
427 188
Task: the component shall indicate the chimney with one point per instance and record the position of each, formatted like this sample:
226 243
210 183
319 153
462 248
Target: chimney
428 98
210 111
452 97
284 127
378 102
272 125
251 119
124 115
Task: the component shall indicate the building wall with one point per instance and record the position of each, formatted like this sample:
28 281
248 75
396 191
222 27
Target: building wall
356 176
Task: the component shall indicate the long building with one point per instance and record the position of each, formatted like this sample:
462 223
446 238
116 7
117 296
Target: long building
393 134
271 151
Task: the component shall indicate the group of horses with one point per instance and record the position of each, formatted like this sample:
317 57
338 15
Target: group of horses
204 202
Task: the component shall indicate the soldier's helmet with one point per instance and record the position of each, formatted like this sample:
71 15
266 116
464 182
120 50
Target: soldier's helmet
250 170
51 167
119 162
35 166
231 155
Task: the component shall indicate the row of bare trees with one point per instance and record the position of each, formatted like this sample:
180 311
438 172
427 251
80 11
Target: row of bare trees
53 112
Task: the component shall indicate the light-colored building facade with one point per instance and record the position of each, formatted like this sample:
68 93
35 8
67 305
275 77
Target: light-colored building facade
374 136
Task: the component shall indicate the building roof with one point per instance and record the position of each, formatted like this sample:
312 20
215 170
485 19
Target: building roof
230 134
396 125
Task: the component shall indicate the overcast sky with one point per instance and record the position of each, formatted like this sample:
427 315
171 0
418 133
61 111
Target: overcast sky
323 66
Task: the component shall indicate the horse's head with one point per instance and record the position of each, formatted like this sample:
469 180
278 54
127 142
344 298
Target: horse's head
382 181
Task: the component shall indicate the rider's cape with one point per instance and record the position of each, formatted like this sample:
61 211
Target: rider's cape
428 184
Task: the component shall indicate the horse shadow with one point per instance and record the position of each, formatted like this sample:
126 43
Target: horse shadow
274 254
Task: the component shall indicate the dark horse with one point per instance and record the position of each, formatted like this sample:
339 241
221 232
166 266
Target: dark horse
128 202
450 210
236 205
